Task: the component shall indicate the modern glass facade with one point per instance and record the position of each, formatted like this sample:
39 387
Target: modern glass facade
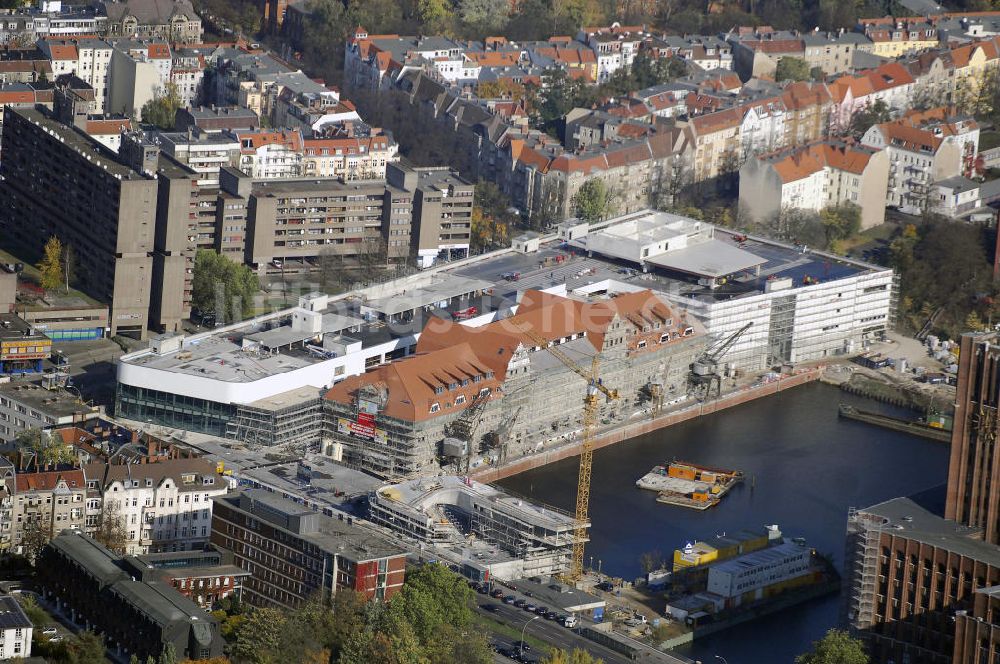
173 410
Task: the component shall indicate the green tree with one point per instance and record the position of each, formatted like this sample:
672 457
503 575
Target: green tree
162 108
259 637
487 16
51 266
592 200
434 14
791 69
223 286
432 597
836 647
871 114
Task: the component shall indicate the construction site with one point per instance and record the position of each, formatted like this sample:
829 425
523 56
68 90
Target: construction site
493 533
507 388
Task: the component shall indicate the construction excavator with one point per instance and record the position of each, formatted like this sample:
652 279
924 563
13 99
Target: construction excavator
591 411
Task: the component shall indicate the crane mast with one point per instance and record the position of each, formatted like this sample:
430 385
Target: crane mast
591 410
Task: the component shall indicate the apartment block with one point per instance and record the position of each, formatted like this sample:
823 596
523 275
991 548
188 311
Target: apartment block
442 211
57 182
202 150
165 506
294 553
924 147
173 20
815 177
139 71
39 404
45 503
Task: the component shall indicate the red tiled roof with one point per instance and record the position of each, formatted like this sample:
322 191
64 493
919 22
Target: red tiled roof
47 480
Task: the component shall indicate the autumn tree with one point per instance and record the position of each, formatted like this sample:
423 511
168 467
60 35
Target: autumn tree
840 222
576 656
51 266
48 449
35 534
836 647
112 531
259 637
162 108
592 201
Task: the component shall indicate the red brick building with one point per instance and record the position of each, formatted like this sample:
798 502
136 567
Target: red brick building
293 553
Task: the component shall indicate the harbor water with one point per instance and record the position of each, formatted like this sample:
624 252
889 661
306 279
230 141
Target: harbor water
804 468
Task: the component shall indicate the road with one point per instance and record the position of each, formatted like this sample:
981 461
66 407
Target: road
546 630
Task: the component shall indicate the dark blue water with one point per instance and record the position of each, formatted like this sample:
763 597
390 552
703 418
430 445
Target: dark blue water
810 467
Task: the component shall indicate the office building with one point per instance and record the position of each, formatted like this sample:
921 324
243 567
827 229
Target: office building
973 496
810 305
912 584
134 616
204 576
58 182
294 554
40 404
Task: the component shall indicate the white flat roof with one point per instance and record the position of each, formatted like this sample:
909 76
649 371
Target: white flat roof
713 258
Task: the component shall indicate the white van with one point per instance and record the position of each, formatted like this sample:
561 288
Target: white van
569 621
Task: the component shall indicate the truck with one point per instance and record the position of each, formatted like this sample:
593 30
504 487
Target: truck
464 314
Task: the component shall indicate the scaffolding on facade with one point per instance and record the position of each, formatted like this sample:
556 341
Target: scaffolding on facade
865 541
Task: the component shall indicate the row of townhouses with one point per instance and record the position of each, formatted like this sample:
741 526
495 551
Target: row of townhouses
698 128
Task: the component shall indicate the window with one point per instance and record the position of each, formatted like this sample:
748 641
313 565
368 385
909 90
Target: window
435 407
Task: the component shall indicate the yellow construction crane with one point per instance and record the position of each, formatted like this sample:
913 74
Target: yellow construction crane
591 410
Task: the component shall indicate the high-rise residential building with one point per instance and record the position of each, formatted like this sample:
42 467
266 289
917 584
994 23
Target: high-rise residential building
973 495
442 210
57 182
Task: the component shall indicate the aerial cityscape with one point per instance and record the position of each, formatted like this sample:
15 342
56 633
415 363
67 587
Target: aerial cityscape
484 331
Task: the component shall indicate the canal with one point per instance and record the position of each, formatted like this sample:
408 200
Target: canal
810 467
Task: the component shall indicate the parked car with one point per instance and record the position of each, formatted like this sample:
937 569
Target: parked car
530 608
606 586
520 603
497 593
551 615
50 630
509 599
569 621
541 610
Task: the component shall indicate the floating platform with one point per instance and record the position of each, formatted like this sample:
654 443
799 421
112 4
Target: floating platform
689 485
922 429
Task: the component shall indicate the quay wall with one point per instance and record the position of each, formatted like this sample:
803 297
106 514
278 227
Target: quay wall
639 427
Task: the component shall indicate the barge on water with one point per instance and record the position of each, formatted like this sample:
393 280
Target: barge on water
689 485
934 430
